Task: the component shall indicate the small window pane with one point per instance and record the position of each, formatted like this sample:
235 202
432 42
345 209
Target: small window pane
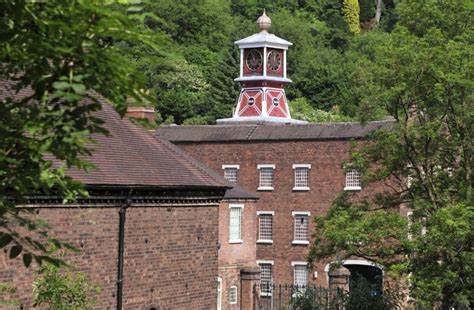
301 228
301 177
266 177
353 179
265 278
230 174
265 226
234 225
300 275
233 295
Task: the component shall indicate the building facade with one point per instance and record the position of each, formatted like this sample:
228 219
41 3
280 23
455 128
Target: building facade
147 235
297 172
296 169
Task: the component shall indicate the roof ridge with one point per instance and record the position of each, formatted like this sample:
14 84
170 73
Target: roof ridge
252 131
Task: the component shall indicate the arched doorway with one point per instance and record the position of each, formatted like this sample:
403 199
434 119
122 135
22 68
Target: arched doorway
362 270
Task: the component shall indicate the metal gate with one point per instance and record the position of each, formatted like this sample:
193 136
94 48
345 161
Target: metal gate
294 297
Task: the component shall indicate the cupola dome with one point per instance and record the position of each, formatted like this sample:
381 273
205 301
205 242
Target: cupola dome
264 22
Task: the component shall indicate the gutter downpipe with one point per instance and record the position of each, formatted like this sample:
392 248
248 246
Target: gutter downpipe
121 245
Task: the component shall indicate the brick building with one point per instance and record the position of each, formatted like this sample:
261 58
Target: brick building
148 233
297 172
297 169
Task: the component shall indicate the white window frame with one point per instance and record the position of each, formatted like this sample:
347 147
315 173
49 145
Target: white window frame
353 188
410 224
295 213
241 207
224 167
300 263
266 262
272 213
219 293
301 188
265 188
233 301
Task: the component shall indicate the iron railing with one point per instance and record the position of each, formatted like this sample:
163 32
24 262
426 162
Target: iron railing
294 297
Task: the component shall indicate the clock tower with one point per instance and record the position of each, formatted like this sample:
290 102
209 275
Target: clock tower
262 78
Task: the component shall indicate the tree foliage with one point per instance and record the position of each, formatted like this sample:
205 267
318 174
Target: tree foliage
422 77
350 11
63 53
200 35
59 289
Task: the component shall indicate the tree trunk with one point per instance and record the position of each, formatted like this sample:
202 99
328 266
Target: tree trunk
378 11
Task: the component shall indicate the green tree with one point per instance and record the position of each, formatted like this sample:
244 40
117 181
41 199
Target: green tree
59 289
301 109
350 11
422 77
62 52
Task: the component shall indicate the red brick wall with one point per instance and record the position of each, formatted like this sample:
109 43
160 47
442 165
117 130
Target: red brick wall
233 256
327 180
170 255
237 253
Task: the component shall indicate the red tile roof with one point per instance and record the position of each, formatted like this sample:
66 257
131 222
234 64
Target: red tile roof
131 156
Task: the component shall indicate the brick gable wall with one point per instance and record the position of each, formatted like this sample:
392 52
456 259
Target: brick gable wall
170 259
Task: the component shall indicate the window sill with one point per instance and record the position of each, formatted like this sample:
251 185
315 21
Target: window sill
266 241
301 242
266 294
236 241
300 189
265 188
352 188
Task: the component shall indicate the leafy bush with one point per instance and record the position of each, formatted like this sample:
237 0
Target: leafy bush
58 289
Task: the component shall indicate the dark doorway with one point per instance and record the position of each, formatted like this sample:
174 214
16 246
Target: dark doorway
371 274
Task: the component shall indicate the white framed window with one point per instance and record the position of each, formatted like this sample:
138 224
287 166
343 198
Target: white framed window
410 224
267 176
235 223
301 177
353 180
265 226
233 295
266 279
231 173
300 274
219 293
301 225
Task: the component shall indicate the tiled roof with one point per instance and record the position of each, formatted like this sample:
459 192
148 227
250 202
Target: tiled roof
131 156
268 132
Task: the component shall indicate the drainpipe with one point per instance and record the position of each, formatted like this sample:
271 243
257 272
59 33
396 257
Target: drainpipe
122 213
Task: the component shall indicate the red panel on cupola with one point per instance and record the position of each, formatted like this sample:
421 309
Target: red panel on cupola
276 103
250 103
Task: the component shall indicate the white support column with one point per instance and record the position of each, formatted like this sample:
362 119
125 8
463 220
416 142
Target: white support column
284 64
264 61
241 62
264 102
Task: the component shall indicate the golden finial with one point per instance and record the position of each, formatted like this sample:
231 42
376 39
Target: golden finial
264 22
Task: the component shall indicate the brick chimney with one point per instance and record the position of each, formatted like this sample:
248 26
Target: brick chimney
142 113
